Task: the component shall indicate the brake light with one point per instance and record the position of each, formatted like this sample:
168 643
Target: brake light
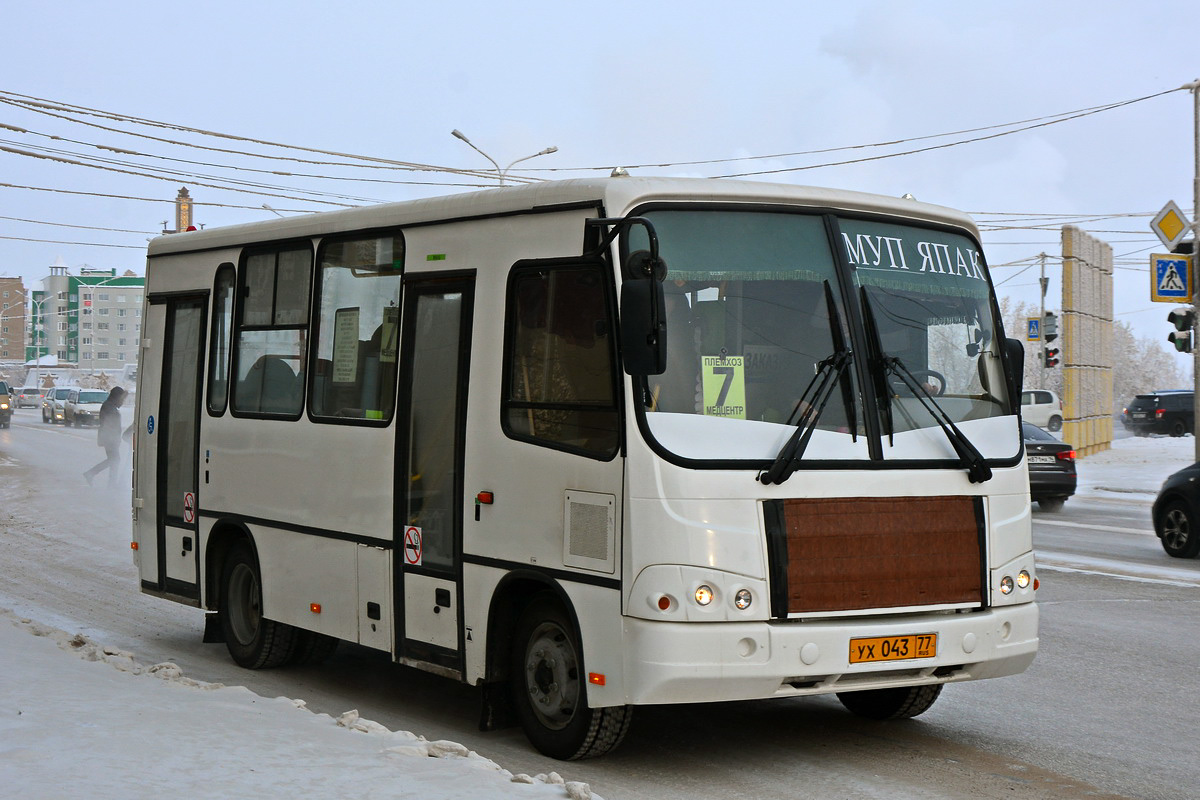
1160 412
1065 455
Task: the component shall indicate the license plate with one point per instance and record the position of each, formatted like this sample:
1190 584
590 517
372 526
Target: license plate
893 648
1041 459
1138 415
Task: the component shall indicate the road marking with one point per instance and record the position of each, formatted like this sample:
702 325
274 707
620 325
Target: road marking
1090 526
1111 568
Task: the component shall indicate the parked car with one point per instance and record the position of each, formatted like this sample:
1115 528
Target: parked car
54 404
29 397
1052 476
6 402
1174 513
1043 408
1161 412
83 407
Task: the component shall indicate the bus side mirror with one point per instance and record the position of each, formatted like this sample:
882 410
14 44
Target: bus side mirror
644 316
1014 350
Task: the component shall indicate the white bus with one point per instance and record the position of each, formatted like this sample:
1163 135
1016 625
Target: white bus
594 444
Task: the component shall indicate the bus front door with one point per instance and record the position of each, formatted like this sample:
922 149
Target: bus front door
178 425
435 355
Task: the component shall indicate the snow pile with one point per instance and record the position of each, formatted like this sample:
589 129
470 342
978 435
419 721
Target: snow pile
99 725
1135 465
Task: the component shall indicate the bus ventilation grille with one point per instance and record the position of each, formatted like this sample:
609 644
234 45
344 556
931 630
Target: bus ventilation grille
855 553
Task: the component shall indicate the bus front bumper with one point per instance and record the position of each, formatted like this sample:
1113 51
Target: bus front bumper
689 662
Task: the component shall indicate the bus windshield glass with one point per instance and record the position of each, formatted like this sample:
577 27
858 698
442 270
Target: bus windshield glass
759 337
929 301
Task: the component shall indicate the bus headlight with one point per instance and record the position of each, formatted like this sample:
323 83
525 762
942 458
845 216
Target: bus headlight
1023 578
1006 584
743 599
704 594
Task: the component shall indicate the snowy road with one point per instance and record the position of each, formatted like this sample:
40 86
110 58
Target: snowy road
1106 709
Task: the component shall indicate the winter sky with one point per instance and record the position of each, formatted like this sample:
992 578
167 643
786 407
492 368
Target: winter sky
617 83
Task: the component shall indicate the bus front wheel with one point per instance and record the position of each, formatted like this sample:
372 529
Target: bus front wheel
899 703
253 641
549 690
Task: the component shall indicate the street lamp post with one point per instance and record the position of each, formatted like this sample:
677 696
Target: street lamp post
457 134
37 342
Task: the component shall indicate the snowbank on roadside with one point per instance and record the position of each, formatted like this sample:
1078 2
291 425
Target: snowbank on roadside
1134 465
100 724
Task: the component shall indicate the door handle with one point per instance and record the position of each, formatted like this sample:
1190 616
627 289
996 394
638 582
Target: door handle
442 598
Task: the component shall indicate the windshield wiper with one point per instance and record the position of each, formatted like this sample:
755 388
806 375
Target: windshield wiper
972 460
788 460
829 371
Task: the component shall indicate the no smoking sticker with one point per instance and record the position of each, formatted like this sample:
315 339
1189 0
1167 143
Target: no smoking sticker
189 507
412 546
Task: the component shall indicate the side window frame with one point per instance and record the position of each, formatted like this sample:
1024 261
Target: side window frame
240 327
225 271
315 331
509 404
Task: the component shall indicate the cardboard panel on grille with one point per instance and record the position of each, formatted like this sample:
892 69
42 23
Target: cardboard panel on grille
881 552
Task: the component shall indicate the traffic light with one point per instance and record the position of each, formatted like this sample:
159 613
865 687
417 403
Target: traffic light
1050 356
1050 327
1184 319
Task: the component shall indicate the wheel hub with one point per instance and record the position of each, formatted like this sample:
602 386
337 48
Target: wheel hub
1175 529
552 676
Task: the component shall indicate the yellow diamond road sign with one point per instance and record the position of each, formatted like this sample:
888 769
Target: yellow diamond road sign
1170 224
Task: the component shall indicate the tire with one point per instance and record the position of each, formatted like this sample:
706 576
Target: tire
312 648
1051 503
1177 531
254 641
1055 424
900 703
550 693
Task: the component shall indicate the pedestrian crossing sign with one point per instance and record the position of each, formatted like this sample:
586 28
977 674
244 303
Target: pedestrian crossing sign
1171 278
1033 329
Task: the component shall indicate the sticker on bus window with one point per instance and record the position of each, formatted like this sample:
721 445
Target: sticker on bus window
724 382
390 335
345 345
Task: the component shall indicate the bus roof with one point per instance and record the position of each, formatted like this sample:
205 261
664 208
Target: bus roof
616 195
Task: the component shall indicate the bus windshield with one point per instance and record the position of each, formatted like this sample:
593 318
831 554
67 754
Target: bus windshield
758 325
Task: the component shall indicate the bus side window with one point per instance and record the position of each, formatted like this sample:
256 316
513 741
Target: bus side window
272 329
357 328
219 350
559 360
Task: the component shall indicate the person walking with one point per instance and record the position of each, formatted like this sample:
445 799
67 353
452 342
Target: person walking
109 437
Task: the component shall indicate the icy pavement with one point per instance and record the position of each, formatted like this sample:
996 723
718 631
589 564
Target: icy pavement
96 723
1135 467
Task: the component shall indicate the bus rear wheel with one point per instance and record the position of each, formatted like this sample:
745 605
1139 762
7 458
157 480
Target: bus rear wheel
899 703
253 641
549 691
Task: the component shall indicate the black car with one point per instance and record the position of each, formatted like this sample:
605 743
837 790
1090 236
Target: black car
1161 412
1051 467
1174 513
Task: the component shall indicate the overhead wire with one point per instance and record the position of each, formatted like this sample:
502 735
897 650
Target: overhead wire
124 151
50 107
144 199
78 163
1056 121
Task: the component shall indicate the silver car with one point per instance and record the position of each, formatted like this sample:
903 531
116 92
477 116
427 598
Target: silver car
83 407
54 405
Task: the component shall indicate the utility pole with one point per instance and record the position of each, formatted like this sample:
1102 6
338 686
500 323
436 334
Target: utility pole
1042 321
1194 86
